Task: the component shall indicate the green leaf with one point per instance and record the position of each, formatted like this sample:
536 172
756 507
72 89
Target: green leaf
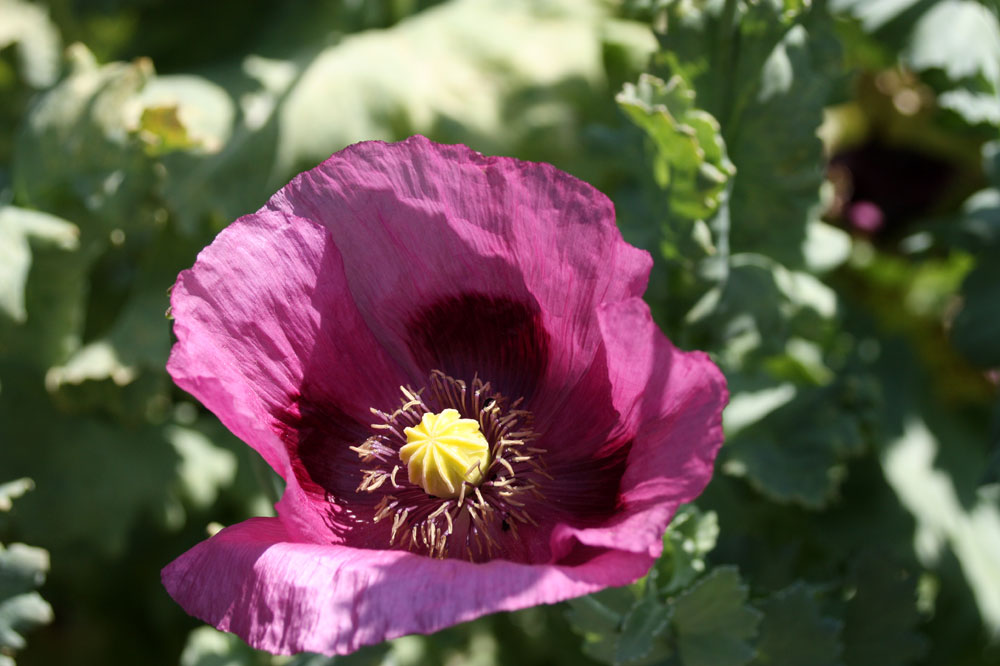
752 397
96 361
803 470
778 156
204 467
796 452
976 330
947 512
600 617
20 614
974 107
78 153
601 612
19 230
438 73
873 13
794 631
713 622
28 25
11 490
96 381
966 52
690 536
641 626
720 48
208 647
765 72
825 247
969 47
689 155
757 308
120 372
42 287
22 569
980 221
65 455
992 472
881 618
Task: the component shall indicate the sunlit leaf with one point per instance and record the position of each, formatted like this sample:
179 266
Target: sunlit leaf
874 13
960 37
975 331
38 43
690 160
208 647
78 153
41 286
11 490
796 452
22 569
204 467
65 455
773 143
931 495
975 107
19 230
690 536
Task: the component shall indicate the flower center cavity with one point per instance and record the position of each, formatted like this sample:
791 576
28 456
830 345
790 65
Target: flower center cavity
472 473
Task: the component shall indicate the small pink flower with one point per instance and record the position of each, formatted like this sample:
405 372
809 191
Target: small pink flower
482 312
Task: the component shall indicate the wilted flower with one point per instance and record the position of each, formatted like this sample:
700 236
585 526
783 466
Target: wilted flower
447 359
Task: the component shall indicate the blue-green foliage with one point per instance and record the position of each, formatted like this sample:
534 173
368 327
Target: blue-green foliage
22 570
853 518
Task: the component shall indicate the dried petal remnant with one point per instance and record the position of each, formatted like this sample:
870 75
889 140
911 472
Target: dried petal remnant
443 451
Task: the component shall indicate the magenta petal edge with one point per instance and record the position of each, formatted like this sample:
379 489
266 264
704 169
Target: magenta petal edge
399 280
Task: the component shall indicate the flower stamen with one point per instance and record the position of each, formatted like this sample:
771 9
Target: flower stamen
470 469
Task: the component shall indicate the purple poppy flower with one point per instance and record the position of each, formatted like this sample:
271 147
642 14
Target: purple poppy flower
447 358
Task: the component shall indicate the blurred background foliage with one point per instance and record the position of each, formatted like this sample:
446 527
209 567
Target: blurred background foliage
818 182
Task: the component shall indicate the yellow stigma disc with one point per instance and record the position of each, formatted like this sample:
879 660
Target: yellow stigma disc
443 451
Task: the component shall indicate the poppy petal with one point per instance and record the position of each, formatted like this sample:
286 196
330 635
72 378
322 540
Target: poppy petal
472 248
672 402
286 597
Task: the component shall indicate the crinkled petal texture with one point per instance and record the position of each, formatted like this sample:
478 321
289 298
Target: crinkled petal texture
387 262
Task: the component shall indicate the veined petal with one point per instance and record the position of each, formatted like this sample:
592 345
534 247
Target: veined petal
460 262
253 580
471 282
264 323
671 401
